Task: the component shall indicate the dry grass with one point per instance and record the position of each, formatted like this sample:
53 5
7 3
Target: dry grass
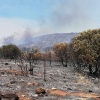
82 80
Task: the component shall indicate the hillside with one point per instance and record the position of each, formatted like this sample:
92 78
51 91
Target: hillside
48 41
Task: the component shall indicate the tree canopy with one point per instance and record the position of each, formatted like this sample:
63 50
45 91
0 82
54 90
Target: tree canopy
61 51
10 51
86 47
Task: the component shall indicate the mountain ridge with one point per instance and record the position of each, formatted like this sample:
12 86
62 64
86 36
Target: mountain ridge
48 40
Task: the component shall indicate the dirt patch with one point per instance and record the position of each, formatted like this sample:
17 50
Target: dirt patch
85 95
57 92
62 93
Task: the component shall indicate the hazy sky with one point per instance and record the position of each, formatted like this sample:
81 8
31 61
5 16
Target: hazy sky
37 17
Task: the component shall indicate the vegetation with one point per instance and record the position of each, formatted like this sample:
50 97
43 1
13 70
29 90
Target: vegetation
49 56
61 51
10 51
84 51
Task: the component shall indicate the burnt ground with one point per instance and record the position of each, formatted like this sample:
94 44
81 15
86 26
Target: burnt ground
62 83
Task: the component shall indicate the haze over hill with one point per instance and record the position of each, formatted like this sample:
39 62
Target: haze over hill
42 42
47 41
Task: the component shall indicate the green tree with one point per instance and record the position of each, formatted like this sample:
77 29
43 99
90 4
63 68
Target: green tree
11 51
85 48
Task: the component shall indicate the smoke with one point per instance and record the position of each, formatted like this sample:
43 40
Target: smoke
19 38
68 16
8 40
71 15
28 35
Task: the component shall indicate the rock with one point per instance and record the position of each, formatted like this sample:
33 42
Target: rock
93 78
36 84
98 97
12 82
40 91
18 87
2 73
8 85
53 88
6 63
69 88
35 95
90 91
23 95
10 96
29 83
39 75
41 95
64 77
17 98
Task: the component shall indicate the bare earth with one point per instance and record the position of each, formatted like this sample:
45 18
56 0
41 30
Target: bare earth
61 83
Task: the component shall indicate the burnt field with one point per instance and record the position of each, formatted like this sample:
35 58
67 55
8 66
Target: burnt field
61 83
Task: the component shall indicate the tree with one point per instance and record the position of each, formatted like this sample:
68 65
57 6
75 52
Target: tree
37 57
11 51
31 57
61 51
85 49
49 56
1 52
